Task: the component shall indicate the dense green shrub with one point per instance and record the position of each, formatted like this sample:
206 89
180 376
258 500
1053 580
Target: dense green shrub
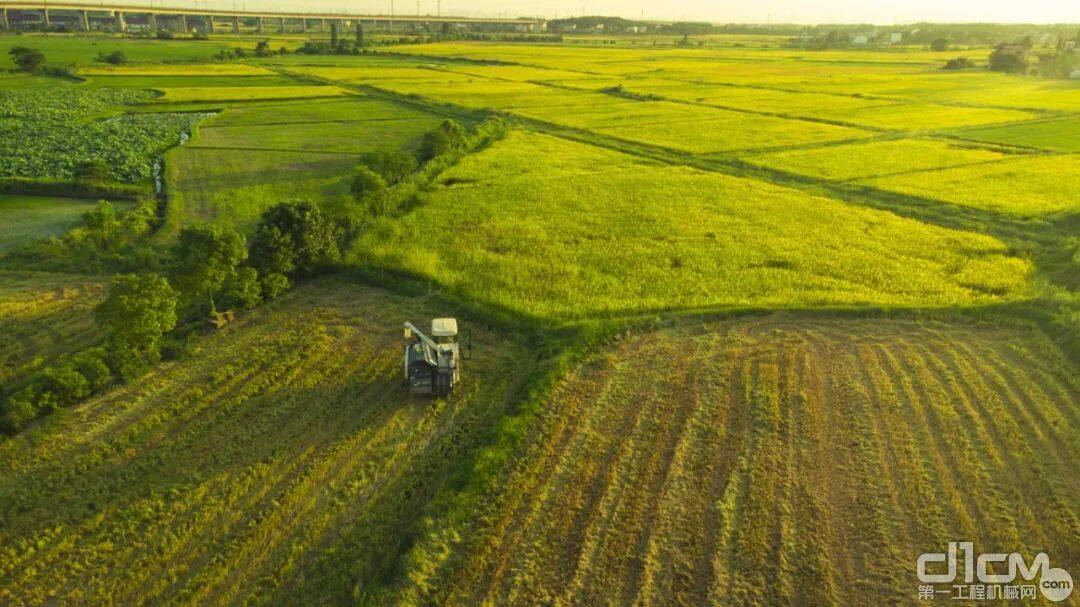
392 165
28 60
206 257
449 137
243 289
139 310
294 239
370 191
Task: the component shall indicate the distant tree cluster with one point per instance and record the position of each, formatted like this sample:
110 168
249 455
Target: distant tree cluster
27 60
113 58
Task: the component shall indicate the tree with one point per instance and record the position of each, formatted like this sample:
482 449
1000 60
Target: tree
61 386
262 49
960 63
370 190
1008 58
92 365
28 60
103 225
207 257
243 289
113 58
273 285
450 136
940 44
392 165
293 239
94 170
138 312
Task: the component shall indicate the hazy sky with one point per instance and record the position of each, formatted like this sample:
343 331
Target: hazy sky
724 11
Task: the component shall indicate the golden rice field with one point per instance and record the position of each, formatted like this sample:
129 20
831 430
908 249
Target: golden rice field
780 460
1022 186
553 228
878 158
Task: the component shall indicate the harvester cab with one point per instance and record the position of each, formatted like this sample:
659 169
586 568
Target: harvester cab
433 364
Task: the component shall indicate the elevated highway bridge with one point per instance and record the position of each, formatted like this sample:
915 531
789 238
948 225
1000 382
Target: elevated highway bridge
85 16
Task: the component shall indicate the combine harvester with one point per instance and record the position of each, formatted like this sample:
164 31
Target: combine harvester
433 364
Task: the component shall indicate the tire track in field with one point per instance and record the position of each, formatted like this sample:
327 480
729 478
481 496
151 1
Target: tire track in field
518 513
644 477
676 555
998 436
571 518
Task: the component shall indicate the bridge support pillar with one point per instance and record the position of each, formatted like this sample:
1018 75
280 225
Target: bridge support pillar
121 25
151 21
45 17
236 25
259 25
210 23
84 20
303 25
281 25
184 23
4 23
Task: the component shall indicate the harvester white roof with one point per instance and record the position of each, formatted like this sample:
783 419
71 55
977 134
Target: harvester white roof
444 327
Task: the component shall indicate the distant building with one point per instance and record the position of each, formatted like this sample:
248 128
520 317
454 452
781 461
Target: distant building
860 40
896 37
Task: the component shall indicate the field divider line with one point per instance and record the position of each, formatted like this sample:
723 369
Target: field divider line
286 123
896 100
201 146
386 95
653 97
856 180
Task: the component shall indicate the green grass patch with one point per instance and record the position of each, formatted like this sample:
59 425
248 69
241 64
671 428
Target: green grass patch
1061 135
174 82
249 93
30 218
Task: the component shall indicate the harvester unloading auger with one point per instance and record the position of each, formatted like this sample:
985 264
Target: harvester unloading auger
433 364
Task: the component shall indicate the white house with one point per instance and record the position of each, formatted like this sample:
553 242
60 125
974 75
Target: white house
860 40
